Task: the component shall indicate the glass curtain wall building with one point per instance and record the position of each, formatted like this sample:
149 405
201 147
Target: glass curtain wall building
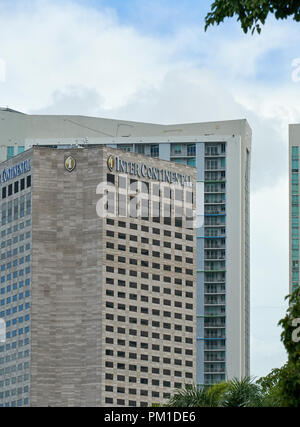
15 291
294 149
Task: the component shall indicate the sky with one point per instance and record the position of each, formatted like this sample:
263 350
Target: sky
152 61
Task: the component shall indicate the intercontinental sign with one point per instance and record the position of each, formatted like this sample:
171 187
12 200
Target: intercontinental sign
17 170
145 171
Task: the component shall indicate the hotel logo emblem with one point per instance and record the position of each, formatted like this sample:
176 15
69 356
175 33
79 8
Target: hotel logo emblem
111 163
70 164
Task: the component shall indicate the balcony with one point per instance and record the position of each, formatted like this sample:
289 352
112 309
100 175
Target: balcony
214 325
215 348
214 358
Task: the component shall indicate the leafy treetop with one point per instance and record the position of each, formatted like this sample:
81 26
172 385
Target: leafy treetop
252 13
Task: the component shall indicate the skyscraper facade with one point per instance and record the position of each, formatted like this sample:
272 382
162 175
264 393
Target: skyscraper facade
98 285
221 153
294 149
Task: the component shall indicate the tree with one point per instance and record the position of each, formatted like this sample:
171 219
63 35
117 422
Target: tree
193 396
289 381
270 388
293 312
234 393
242 393
252 13
282 386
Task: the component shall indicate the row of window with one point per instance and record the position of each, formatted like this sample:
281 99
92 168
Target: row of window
15 252
158 190
140 149
144 275
153 335
135 238
146 252
145 287
15 274
15 239
167 219
13 357
146 369
153 323
177 304
13 210
146 229
15 321
14 150
188 149
14 287
133 403
15 263
15 228
14 392
144 263
146 346
16 403
19 308
15 298
145 298
16 187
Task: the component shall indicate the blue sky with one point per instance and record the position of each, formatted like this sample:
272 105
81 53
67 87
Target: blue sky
163 16
166 17
150 60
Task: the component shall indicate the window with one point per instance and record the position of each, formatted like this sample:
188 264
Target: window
140 149
295 153
16 187
28 181
10 152
124 147
154 150
191 149
177 149
191 162
111 178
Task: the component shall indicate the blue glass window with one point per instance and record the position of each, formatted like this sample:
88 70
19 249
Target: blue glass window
10 152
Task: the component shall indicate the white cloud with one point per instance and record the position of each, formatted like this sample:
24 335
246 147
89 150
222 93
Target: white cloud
52 46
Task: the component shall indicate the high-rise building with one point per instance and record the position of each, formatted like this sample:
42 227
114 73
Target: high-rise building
98 280
221 152
294 149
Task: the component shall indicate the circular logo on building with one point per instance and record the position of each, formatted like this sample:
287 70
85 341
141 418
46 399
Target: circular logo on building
70 164
111 163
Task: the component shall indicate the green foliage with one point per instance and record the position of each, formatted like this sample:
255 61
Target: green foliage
218 390
282 386
289 385
193 396
242 393
271 389
234 393
293 312
252 13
